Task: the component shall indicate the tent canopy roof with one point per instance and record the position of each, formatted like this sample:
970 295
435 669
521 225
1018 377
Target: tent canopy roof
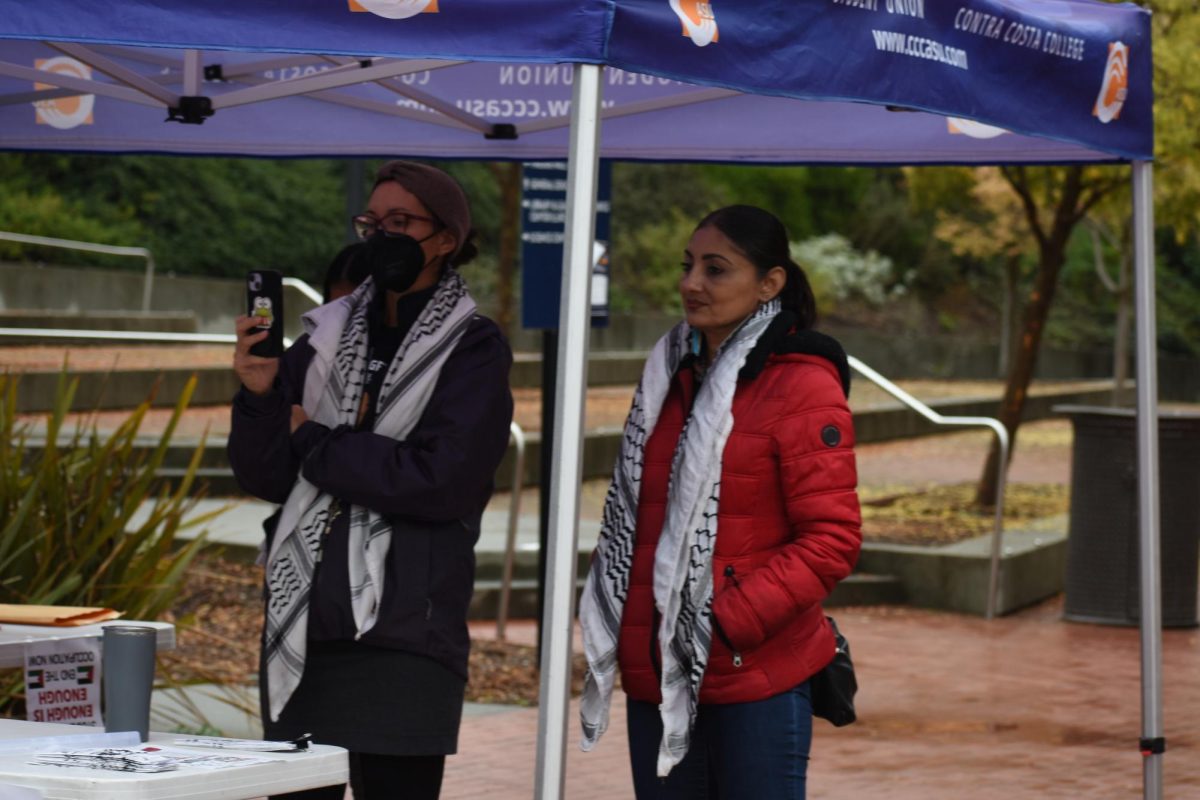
794 81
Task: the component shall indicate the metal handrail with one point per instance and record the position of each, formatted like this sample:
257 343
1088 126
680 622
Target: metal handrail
136 252
126 336
514 516
138 336
304 289
938 419
91 247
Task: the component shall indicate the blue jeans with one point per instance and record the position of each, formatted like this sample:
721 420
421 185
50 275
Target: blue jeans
753 750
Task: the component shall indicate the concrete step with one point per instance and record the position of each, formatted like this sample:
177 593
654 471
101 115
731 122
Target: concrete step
62 319
104 390
955 577
522 599
601 445
489 563
238 532
864 589
857 590
216 385
216 481
604 369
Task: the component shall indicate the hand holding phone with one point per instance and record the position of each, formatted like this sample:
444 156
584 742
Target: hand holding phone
264 303
256 356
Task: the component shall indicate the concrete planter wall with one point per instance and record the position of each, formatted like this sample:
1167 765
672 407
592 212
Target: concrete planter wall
955 577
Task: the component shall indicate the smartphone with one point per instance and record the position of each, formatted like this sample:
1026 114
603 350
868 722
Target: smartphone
264 302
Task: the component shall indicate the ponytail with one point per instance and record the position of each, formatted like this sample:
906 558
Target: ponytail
797 296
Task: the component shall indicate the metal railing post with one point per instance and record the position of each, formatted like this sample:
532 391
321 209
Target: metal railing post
148 281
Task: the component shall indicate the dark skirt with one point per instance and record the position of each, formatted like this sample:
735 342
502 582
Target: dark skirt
371 700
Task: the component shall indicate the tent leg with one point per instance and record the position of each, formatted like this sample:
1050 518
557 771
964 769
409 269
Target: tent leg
574 320
1147 438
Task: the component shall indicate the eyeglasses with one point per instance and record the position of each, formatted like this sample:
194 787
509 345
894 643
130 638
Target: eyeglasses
394 224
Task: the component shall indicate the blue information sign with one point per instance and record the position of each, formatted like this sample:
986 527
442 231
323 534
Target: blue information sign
543 214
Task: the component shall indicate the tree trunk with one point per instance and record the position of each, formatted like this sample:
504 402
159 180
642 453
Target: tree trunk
1120 289
508 178
1008 327
1071 201
1041 299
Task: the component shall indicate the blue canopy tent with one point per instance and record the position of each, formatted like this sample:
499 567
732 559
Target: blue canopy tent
775 81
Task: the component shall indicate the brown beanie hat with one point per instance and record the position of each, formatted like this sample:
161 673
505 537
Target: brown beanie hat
440 193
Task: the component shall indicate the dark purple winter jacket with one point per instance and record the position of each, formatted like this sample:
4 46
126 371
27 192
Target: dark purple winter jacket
432 486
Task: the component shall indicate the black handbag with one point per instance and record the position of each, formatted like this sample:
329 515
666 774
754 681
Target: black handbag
833 688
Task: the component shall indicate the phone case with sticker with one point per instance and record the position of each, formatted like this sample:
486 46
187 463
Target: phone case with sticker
264 302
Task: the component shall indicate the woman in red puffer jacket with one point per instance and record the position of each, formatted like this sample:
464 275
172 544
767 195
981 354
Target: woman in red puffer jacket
733 513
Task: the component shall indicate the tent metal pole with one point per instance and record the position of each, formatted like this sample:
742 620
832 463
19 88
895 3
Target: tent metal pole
118 72
231 71
79 85
443 107
570 391
374 106
1148 517
192 69
334 78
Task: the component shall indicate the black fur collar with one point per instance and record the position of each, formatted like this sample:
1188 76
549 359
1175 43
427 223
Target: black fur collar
780 338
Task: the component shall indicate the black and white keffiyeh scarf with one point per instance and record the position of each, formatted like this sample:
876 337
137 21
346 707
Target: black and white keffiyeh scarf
333 387
683 558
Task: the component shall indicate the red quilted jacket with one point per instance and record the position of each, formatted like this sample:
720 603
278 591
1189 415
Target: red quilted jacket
788 526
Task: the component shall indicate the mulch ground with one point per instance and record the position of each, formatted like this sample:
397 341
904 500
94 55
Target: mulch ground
219 618
946 514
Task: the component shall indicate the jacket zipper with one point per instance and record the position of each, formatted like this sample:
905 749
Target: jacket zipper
737 656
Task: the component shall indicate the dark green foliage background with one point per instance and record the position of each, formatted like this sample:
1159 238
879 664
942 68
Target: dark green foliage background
222 216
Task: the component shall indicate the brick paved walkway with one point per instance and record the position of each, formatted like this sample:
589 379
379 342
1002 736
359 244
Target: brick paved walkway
950 706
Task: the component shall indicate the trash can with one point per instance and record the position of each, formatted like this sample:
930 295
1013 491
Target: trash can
1103 577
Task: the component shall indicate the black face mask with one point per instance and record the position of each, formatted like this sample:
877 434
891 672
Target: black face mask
395 261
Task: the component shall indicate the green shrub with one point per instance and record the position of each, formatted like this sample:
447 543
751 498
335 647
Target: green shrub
68 534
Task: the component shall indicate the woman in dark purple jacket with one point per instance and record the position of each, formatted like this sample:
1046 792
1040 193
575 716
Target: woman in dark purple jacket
378 432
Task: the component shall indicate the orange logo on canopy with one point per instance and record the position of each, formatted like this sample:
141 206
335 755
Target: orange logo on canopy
1115 85
699 23
973 129
395 9
64 113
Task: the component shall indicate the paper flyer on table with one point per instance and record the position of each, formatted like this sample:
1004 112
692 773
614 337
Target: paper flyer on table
255 745
147 758
206 761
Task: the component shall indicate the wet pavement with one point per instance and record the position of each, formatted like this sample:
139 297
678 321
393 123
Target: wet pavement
950 706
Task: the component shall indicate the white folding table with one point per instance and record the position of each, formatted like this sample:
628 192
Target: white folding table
320 765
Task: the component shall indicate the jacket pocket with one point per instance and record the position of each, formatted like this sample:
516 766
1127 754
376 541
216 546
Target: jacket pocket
406 605
730 581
